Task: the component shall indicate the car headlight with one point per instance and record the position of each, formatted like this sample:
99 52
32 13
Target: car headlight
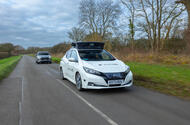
127 70
91 71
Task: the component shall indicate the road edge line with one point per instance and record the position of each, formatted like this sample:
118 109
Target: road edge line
109 120
20 102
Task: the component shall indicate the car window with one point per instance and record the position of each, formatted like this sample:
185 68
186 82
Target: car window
43 53
74 55
68 54
105 56
95 55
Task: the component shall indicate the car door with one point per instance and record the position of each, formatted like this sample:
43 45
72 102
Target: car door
73 65
65 63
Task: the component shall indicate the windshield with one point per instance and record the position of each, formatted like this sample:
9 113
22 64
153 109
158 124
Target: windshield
95 55
43 53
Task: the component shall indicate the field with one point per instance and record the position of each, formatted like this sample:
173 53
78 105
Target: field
170 79
7 65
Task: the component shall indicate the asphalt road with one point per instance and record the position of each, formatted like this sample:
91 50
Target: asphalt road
35 95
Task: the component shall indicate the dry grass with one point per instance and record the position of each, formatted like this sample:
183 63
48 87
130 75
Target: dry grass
153 58
150 58
58 55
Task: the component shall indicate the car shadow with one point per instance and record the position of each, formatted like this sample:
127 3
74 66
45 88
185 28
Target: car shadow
110 91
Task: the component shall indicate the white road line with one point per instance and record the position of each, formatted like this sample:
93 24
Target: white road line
109 120
20 113
22 95
20 102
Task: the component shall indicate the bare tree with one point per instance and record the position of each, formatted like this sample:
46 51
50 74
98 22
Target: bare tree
186 3
76 34
131 12
177 32
187 6
99 16
158 15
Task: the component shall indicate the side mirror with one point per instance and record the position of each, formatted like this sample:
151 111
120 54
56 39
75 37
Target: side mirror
72 60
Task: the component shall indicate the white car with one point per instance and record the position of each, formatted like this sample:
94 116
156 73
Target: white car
89 66
43 57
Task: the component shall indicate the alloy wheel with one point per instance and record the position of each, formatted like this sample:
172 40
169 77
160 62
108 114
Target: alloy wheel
78 82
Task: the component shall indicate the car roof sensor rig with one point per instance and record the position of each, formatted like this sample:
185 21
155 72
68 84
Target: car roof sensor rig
88 45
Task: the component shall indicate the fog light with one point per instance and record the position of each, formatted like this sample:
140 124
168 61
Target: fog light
90 84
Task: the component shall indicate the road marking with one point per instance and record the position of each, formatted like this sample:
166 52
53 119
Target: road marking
20 113
20 102
109 120
22 94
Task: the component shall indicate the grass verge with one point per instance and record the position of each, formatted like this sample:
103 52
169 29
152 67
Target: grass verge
173 80
7 65
56 60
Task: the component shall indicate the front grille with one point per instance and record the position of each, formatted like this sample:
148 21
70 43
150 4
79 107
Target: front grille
114 76
111 76
44 58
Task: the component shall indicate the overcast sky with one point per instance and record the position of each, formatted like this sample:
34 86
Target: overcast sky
37 22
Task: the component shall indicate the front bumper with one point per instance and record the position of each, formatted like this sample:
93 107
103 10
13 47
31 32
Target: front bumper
44 60
91 81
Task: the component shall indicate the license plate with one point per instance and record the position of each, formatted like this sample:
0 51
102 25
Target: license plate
112 82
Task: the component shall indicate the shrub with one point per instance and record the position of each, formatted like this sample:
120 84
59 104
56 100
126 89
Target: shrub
56 59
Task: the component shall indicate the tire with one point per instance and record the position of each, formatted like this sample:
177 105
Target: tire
61 74
78 82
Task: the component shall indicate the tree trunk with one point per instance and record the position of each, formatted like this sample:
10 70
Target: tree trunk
187 5
187 34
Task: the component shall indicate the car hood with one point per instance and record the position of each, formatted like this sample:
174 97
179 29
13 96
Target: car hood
106 66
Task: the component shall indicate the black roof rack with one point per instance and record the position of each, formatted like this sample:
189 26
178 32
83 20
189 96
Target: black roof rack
88 45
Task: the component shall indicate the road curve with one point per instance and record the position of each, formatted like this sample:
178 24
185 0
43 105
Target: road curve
35 95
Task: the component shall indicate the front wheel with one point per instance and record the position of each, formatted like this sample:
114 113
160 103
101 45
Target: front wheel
78 82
